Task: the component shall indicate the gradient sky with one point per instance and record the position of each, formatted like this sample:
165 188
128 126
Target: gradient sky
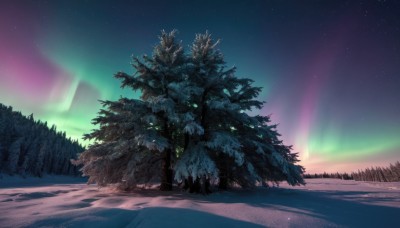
330 69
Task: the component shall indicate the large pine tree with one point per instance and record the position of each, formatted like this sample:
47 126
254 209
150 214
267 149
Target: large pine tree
190 124
137 135
233 147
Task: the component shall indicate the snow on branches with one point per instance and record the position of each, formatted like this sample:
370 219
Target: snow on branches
190 124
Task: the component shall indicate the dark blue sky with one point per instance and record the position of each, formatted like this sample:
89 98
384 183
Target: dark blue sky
330 69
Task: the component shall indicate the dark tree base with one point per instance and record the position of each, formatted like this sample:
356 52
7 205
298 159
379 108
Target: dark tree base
223 183
166 185
167 172
200 185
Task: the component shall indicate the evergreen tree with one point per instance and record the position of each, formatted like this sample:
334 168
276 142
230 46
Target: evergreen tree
13 157
38 167
137 135
230 145
1 155
191 119
21 151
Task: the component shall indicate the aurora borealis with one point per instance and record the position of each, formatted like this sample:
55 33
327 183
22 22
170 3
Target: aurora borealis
330 69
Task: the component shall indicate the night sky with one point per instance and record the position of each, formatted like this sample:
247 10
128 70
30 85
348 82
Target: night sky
330 69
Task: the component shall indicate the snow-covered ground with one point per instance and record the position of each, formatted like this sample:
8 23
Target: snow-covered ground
68 202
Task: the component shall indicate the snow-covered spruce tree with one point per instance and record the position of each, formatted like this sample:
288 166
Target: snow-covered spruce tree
266 158
231 146
191 119
196 166
136 136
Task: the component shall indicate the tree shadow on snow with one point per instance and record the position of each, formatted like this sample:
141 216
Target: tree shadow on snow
147 217
343 208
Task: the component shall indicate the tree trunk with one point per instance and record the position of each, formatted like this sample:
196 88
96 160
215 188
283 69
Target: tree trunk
188 183
223 174
200 185
167 173
166 178
223 181
205 185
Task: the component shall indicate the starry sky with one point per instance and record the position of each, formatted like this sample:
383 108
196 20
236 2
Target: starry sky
330 69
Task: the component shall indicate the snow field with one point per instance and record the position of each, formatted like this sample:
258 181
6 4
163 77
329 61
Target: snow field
321 203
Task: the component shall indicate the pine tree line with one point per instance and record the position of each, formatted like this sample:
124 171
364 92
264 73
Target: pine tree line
343 176
190 126
378 174
30 147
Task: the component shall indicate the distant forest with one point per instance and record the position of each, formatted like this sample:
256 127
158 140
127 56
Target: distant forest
30 147
379 174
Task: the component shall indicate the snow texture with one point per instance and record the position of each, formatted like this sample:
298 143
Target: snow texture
68 202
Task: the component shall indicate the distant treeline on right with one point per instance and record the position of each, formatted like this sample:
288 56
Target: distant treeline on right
379 174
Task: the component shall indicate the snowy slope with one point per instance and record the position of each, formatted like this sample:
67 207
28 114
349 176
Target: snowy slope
69 202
